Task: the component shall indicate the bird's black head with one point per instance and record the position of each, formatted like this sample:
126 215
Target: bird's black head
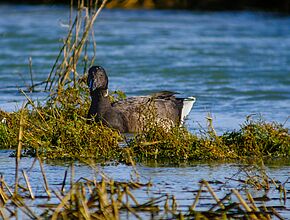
97 79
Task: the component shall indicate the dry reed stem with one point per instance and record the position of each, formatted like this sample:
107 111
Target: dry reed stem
38 112
6 186
115 206
18 154
244 204
73 60
226 197
131 196
72 174
31 74
18 202
266 211
2 214
28 184
192 207
66 43
84 210
276 214
57 195
62 204
4 197
213 194
44 178
250 198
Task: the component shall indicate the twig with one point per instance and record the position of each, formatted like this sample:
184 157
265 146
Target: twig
28 184
31 75
18 154
44 178
244 204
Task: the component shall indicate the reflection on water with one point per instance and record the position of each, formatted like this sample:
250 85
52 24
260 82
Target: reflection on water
235 63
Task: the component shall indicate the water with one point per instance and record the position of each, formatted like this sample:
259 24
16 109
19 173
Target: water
235 63
181 181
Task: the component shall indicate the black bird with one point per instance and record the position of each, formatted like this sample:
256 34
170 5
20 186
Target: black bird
126 115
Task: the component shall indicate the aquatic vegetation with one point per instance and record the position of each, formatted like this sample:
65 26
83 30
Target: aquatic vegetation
254 139
9 127
104 198
259 138
59 129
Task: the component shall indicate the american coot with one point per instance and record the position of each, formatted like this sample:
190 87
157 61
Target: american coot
126 115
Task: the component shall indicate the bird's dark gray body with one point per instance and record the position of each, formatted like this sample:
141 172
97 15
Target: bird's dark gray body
127 115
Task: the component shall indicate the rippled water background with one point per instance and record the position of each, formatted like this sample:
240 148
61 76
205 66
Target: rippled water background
235 63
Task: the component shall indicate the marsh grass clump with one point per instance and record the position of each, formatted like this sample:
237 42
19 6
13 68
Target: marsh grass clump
178 144
259 138
9 127
60 129
160 141
255 138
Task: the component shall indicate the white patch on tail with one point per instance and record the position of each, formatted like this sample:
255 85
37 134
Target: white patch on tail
186 108
4 121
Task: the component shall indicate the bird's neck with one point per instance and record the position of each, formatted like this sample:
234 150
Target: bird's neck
100 103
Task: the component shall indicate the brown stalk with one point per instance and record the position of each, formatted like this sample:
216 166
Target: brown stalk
250 198
76 53
18 154
4 197
244 204
44 178
28 184
18 202
115 208
31 74
213 194
6 186
2 214
276 214
131 196
192 207
62 204
85 212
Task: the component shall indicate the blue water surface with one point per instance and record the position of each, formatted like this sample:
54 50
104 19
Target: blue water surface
235 63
